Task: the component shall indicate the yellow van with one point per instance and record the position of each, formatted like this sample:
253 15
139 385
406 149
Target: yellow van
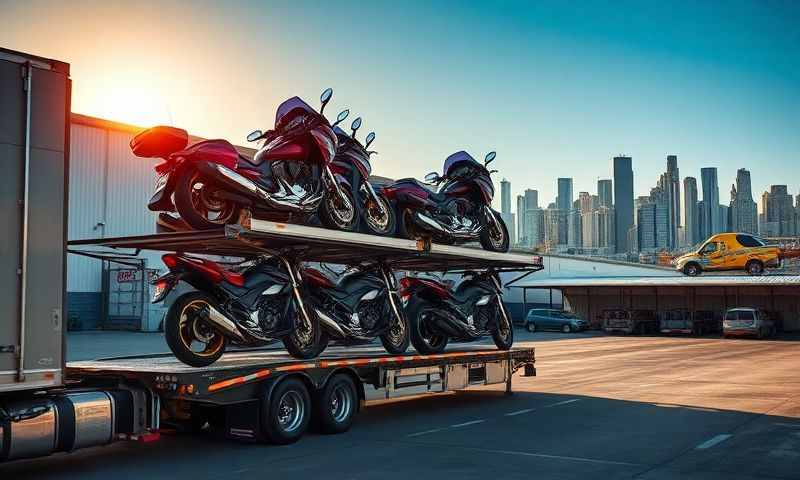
729 251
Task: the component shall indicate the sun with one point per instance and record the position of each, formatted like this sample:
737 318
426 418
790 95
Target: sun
130 100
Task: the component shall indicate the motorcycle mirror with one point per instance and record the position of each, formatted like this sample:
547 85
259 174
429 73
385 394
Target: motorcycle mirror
340 118
489 158
325 98
254 135
492 171
432 177
370 139
355 126
372 152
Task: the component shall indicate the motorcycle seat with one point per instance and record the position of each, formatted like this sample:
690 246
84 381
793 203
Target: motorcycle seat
432 194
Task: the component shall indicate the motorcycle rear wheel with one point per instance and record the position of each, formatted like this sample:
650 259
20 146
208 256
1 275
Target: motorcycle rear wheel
196 204
339 213
185 331
425 341
495 241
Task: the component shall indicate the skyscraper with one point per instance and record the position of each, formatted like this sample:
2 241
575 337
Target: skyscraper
605 193
672 187
778 212
623 201
711 221
531 199
505 197
743 212
564 198
691 213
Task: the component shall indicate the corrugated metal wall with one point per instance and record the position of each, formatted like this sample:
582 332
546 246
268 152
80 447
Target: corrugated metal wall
109 191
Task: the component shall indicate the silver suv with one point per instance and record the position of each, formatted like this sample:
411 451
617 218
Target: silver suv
747 321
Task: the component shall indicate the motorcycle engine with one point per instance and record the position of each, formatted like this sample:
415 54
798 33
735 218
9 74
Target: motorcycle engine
484 315
270 312
370 313
300 173
458 213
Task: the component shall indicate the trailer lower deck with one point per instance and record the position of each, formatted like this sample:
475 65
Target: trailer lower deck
238 388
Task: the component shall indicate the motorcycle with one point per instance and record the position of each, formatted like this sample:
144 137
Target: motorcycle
252 306
437 313
210 182
358 305
352 162
459 212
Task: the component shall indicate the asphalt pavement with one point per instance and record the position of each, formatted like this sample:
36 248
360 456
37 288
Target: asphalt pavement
600 407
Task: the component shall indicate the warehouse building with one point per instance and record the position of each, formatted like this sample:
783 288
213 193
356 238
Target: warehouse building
109 189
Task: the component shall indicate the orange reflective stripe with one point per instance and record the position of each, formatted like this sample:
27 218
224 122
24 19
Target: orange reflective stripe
238 380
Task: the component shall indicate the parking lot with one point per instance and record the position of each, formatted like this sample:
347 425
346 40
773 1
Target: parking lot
601 406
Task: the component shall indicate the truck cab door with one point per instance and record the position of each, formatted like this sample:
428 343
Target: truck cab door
713 256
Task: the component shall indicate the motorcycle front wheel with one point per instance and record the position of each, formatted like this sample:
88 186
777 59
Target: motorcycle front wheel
503 337
494 237
379 217
397 339
191 338
198 205
305 341
338 212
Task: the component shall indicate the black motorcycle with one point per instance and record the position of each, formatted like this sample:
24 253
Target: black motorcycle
357 306
352 162
437 313
459 212
253 305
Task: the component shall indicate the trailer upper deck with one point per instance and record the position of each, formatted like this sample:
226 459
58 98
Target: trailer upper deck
316 244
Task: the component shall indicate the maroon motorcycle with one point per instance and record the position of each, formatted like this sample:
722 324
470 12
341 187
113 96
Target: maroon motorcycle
459 212
289 178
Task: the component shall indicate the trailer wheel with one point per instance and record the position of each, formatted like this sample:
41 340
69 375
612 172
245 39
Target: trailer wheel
335 406
286 413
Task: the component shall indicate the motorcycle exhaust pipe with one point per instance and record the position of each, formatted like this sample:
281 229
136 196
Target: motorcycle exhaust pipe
330 324
221 321
433 227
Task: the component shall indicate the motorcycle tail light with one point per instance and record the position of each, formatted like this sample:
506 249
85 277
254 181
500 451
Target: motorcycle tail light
170 260
159 290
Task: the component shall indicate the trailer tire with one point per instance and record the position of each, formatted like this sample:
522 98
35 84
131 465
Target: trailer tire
335 405
286 412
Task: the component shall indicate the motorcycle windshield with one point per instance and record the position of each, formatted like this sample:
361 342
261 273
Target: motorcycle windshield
289 106
457 158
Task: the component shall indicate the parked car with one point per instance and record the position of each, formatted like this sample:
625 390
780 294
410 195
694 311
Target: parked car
729 251
747 321
623 320
549 319
684 321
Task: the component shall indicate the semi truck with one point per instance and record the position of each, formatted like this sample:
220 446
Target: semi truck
49 405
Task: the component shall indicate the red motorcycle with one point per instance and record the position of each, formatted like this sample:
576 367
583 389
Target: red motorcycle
459 212
289 178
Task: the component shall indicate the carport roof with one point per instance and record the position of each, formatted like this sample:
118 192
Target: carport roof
664 281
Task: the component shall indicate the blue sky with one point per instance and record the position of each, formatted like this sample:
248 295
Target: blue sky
557 88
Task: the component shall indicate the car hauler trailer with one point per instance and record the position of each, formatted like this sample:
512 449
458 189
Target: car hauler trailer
47 405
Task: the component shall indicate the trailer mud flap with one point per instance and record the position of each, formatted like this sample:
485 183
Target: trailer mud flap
242 421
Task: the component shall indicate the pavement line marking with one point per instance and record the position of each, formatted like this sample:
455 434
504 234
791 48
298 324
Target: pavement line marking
425 432
790 425
554 457
713 441
473 422
562 403
519 412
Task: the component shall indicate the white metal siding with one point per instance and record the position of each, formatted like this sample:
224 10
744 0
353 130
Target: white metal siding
86 201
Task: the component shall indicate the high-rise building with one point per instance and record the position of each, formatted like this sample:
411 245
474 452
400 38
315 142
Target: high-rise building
531 199
505 197
564 198
574 229
691 212
711 221
743 211
672 187
535 225
552 227
521 209
605 194
623 201
778 212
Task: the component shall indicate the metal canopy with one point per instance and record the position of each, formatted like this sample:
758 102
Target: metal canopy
313 244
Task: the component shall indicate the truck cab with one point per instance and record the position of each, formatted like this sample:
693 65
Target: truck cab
729 251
